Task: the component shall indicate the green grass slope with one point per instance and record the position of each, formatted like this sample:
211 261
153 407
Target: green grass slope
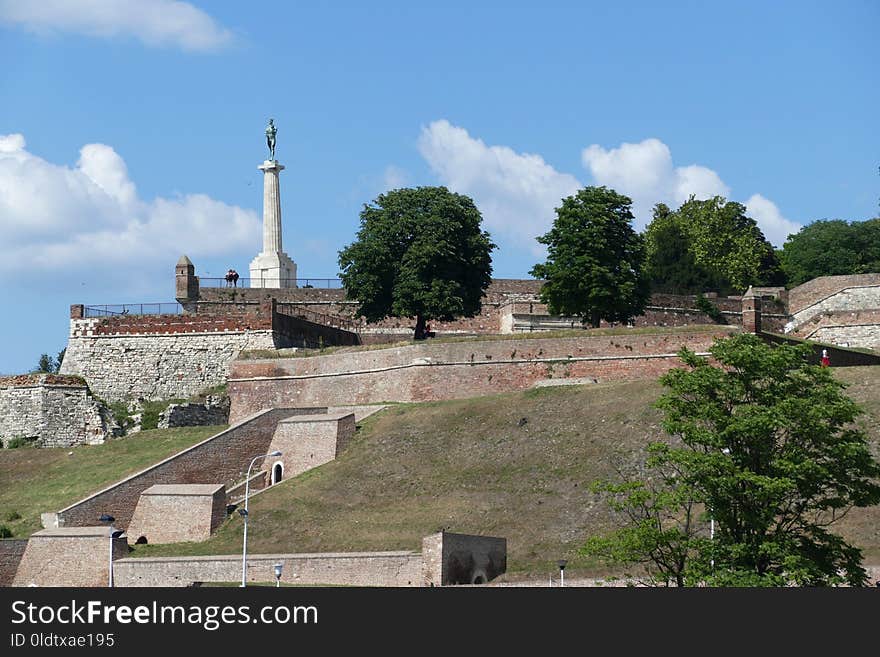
517 465
35 481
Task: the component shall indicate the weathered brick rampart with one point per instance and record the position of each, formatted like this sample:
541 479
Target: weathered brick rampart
451 370
221 459
814 291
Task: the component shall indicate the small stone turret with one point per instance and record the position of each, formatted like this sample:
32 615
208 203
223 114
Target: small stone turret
751 312
187 283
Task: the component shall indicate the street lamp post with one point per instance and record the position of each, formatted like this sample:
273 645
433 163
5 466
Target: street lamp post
278 567
725 451
561 563
114 533
244 513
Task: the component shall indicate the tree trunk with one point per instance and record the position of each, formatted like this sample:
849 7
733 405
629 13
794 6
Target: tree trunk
595 319
420 328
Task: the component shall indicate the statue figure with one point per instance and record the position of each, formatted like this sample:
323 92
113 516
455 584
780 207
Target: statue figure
270 139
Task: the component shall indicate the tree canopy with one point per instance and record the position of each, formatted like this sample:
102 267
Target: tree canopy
766 443
709 244
419 253
830 248
595 260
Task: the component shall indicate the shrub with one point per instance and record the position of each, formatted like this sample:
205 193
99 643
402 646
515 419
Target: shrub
18 441
5 532
12 515
706 306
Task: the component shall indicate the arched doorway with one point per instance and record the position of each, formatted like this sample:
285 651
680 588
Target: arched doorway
277 473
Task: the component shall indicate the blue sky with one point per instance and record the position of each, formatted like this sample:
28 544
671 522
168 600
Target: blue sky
130 131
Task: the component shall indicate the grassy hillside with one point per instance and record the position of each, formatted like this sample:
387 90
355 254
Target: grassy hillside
516 465
34 481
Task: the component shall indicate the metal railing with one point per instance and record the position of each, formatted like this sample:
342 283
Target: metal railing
273 283
119 309
295 310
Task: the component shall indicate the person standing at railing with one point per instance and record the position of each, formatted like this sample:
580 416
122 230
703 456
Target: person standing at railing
234 278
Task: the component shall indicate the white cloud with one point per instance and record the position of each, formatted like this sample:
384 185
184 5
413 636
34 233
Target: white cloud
56 217
394 178
775 227
646 174
154 22
516 192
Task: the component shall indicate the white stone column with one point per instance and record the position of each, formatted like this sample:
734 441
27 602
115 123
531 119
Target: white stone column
271 206
272 268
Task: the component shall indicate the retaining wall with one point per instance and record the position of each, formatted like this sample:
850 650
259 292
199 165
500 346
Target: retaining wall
52 410
221 459
452 370
11 551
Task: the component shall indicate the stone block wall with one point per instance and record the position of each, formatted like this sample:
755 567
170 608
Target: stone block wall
332 569
223 458
848 299
174 513
845 328
193 415
452 370
446 559
156 366
307 441
53 410
11 551
811 292
77 556
462 558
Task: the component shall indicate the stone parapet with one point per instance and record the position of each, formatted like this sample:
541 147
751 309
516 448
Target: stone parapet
174 513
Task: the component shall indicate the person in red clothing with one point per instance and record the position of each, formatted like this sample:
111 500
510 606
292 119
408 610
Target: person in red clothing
826 362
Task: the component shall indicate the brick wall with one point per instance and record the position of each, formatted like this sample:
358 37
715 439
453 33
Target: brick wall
451 370
462 558
11 551
341 569
307 441
817 289
53 414
77 556
176 513
221 459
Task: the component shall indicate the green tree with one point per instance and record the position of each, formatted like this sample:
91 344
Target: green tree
727 243
824 248
831 248
46 364
419 253
671 266
767 443
595 260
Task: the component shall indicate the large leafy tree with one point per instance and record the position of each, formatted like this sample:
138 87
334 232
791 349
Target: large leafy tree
419 253
832 247
767 443
709 244
671 266
595 260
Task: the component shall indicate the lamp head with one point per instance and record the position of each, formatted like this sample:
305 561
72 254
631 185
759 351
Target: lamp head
275 453
561 563
278 567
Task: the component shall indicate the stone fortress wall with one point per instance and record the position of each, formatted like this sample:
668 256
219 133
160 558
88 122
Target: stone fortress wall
52 410
453 370
841 310
178 356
